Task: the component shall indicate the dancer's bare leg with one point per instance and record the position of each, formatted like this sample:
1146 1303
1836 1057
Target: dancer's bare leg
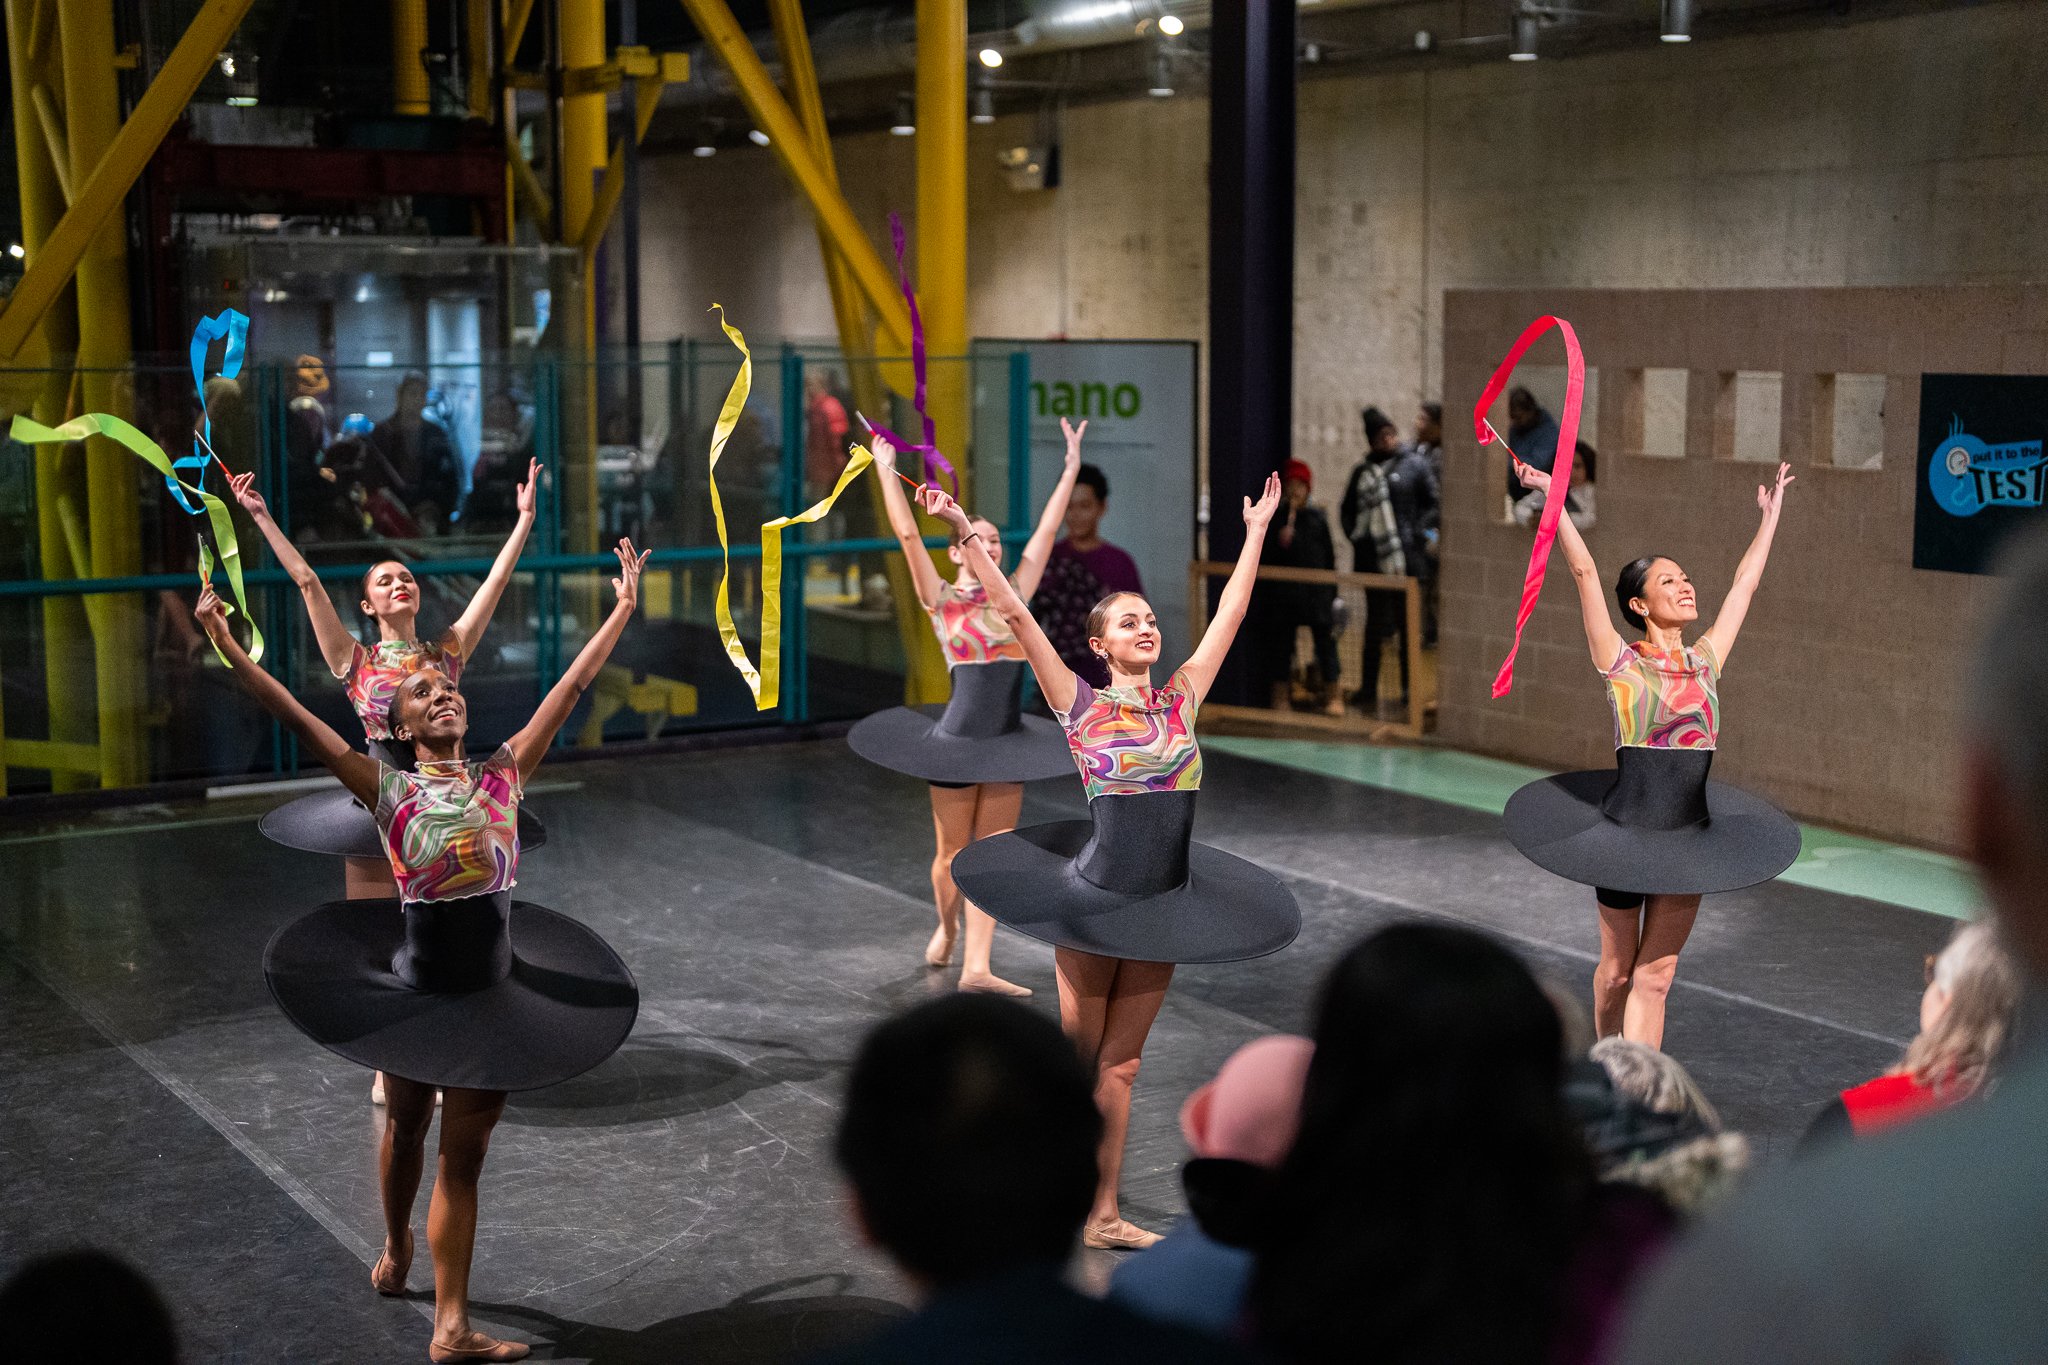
408 1111
1135 994
1620 935
995 813
467 1118
1667 923
952 830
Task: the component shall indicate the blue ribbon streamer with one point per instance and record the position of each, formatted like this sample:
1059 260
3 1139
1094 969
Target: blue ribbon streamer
234 326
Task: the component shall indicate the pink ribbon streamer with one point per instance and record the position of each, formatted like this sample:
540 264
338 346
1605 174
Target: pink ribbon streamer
935 464
1560 469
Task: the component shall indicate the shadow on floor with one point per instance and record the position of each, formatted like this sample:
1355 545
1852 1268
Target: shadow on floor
656 1076
764 1326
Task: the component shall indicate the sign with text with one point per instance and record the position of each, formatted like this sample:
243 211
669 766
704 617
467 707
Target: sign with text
1982 470
1138 398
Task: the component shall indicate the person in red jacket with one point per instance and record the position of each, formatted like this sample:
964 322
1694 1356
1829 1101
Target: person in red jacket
1966 1017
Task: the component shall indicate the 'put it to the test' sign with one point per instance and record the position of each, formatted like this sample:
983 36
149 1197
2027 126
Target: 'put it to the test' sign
1982 468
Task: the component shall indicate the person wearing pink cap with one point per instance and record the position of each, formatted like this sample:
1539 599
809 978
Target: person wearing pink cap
1239 1127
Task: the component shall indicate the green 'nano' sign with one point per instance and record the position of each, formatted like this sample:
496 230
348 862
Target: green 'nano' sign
1062 399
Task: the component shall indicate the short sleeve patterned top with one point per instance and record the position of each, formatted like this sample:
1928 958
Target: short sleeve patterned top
970 629
1665 699
1129 740
452 828
375 671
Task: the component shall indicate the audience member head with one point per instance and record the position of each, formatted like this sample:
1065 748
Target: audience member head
1251 1110
1585 465
412 398
1087 503
2005 800
1680 1150
1966 1012
1296 479
1429 424
85 1307
309 377
1436 1161
969 1139
1523 409
1381 435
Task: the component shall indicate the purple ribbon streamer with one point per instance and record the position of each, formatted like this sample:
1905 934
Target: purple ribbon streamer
935 464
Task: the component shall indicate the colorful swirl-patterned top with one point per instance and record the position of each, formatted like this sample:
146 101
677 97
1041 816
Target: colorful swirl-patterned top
1129 740
374 673
1665 699
970 629
451 829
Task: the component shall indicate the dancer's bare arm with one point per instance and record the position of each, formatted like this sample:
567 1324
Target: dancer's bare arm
1055 679
1038 550
924 575
1603 641
530 745
337 646
1770 500
469 628
1201 667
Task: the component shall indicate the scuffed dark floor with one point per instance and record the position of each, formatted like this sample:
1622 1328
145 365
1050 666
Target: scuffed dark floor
679 1202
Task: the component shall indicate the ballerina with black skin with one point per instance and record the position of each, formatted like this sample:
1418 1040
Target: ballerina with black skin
1126 894
1652 834
332 822
452 984
977 750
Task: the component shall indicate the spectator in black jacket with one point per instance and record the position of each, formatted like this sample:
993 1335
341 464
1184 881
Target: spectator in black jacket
419 452
1532 432
1390 514
1299 539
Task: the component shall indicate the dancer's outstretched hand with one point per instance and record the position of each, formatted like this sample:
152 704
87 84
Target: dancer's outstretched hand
243 486
1073 435
1258 514
884 452
529 492
1770 500
938 503
211 615
1531 476
627 584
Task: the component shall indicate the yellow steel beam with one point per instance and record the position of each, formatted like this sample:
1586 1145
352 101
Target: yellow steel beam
942 215
92 120
516 17
723 34
65 629
410 91
52 124
526 186
584 150
100 196
476 46
55 755
925 678
645 101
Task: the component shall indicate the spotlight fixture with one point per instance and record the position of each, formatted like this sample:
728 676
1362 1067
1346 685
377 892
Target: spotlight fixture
990 58
1162 76
1424 40
14 250
981 106
1677 26
757 137
1525 37
704 147
1171 25
906 117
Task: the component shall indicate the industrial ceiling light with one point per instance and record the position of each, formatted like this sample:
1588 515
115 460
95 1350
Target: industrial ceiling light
1162 76
704 147
1524 49
757 137
1677 21
981 106
14 250
906 117
1170 25
990 58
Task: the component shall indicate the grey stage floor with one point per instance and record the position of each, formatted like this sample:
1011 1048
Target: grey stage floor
679 1202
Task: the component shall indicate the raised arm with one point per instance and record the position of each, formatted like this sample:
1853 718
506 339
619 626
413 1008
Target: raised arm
1038 549
1603 641
1200 669
531 743
469 627
337 646
1055 679
924 575
357 772
1750 572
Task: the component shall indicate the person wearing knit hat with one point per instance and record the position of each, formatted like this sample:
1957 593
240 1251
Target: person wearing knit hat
1239 1128
1389 509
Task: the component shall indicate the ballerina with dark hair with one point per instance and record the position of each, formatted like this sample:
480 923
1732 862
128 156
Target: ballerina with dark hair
1125 894
977 750
332 822
1653 834
452 984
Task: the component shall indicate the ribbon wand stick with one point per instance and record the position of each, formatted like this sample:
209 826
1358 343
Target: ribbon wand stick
897 472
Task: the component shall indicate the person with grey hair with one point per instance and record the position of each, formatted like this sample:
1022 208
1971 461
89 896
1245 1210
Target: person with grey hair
1929 1242
1966 1015
1676 1145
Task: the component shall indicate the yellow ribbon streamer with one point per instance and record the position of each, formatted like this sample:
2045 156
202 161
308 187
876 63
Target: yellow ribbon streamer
766 683
121 433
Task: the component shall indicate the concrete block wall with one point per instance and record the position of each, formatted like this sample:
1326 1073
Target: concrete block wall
1840 700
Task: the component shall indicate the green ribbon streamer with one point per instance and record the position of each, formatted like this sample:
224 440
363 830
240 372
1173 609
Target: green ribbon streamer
121 433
